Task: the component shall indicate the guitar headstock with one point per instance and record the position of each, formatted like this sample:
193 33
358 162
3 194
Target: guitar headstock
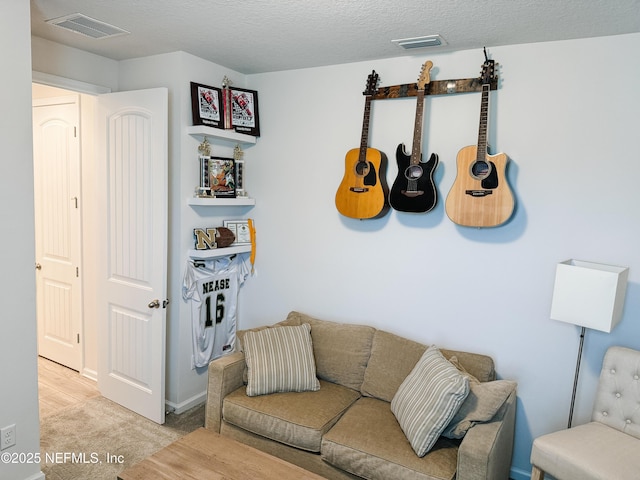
372 83
425 76
487 75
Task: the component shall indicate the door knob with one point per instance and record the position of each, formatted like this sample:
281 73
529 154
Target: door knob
154 304
38 266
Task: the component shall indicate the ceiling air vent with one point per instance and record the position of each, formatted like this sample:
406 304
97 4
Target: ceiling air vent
88 26
420 42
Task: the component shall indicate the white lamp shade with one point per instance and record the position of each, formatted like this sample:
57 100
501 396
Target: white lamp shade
589 294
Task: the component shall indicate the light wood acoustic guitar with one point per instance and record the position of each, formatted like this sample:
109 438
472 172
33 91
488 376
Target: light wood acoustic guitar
362 194
413 189
480 195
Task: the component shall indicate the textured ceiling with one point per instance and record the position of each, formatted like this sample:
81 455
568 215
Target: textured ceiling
254 36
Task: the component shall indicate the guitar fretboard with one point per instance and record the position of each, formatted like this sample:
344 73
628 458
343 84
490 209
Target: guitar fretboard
484 116
364 140
417 129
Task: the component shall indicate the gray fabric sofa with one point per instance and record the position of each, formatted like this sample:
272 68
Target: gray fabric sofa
346 429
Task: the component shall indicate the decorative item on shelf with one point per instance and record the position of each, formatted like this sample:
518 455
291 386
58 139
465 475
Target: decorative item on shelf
244 111
206 106
238 155
252 233
204 150
241 231
210 238
222 177
227 102
590 295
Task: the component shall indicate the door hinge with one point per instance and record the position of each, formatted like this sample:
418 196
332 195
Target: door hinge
75 131
75 199
77 272
78 337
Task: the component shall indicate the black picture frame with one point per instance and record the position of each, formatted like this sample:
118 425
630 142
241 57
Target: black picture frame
245 116
207 105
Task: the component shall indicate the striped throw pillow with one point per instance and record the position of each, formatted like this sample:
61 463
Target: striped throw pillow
428 399
280 359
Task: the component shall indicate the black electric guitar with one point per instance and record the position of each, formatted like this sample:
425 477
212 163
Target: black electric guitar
414 190
480 195
363 191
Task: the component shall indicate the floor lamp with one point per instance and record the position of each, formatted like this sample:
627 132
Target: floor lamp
590 295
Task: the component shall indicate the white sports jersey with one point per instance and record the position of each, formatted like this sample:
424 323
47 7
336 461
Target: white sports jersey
212 287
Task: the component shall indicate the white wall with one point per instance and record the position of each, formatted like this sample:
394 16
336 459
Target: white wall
55 59
18 371
566 114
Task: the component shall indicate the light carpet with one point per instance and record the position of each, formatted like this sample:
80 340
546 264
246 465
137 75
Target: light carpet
98 439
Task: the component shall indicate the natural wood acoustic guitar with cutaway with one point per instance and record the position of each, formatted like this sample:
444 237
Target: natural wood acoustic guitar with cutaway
480 195
413 189
362 194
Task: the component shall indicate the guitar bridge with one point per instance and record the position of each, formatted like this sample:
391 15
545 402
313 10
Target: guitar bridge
359 189
412 193
478 193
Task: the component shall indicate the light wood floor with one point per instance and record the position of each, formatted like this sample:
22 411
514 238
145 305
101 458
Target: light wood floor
60 387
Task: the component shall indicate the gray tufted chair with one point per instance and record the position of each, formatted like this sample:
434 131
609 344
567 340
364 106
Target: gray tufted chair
608 447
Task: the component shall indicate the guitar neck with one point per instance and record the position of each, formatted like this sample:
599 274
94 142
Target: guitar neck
417 130
484 118
364 139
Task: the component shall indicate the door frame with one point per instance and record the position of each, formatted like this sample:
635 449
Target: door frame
88 280
69 353
90 299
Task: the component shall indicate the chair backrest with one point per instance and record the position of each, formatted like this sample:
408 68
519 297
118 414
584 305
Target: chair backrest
617 402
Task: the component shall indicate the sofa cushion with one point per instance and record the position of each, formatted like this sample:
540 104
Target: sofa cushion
392 359
241 333
341 350
295 419
428 399
280 359
367 441
387 369
481 405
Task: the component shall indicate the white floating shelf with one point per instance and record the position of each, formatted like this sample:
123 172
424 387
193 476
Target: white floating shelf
222 202
201 131
219 252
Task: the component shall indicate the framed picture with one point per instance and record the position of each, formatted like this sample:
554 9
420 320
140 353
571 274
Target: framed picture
240 229
206 105
222 177
244 111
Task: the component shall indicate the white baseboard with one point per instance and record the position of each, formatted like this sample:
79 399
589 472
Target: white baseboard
181 407
90 374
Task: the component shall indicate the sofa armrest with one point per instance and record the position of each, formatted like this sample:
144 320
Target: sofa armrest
486 449
225 376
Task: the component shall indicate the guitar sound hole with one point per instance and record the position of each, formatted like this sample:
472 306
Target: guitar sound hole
362 168
480 169
413 172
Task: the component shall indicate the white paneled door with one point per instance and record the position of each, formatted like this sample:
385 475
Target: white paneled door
56 149
131 137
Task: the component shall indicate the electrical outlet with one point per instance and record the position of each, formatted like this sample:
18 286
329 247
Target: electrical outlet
7 436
